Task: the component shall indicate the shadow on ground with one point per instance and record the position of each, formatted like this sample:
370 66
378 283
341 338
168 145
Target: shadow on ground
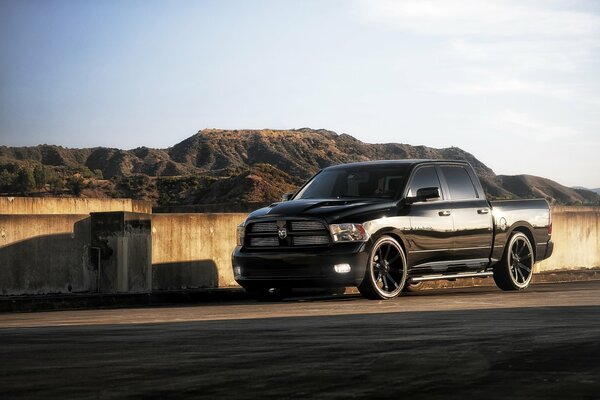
538 352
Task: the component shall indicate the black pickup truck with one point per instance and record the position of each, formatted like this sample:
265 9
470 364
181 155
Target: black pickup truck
387 226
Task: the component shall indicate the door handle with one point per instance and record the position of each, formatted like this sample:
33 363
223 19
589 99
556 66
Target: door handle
444 213
483 211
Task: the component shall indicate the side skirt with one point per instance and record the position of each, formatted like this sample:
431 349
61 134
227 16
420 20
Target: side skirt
452 276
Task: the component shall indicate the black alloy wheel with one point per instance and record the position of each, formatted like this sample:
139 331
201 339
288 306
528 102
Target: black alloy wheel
385 276
515 270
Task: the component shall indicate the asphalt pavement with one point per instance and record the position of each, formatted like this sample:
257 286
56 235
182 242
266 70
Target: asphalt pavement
476 342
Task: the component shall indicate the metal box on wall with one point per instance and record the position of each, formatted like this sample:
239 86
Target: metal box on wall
123 251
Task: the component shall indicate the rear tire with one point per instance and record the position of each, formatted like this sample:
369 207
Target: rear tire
385 275
515 270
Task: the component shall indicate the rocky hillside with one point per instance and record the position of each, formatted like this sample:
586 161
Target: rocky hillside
217 166
596 190
527 186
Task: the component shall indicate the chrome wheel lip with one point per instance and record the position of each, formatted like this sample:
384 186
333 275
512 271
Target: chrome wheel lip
520 261
381 272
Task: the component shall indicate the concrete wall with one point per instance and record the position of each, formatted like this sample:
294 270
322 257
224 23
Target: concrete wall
67 205
45 254
246 207
193 250
186 248
50 253
576 237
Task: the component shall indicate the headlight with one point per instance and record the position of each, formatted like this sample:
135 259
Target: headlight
241 232
348 233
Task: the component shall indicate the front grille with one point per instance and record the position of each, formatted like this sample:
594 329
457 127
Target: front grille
307 226
310 240
264 227
264 242
297 233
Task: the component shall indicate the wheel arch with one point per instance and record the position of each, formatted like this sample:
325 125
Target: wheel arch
394 233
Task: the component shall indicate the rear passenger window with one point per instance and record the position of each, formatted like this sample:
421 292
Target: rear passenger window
459 183
423 178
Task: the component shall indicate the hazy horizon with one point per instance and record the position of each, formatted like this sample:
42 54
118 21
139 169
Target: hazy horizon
515 83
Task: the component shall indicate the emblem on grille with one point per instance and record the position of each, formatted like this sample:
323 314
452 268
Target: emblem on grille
282 232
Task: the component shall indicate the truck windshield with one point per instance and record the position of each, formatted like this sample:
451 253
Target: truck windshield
363 182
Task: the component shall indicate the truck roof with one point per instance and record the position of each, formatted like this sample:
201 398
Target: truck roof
395 162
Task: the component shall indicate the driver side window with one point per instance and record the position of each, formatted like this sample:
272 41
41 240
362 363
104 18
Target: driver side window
424 177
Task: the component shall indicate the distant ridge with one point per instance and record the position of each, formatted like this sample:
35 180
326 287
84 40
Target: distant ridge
222 166
597 190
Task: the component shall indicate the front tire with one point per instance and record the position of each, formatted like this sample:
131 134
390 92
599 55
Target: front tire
385 275
515 270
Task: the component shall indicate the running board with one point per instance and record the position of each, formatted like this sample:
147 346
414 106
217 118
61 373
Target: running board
451 276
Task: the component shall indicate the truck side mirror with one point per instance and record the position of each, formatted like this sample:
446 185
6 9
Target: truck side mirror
428 193
287 196
424 194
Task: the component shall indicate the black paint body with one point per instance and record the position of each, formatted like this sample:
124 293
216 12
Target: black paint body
443 236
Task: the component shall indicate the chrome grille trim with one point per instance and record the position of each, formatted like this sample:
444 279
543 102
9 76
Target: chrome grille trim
264 242
310 240
307 226
264 227
265 234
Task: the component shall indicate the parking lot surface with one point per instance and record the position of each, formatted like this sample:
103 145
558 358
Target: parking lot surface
479 342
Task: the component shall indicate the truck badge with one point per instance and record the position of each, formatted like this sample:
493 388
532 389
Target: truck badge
282 232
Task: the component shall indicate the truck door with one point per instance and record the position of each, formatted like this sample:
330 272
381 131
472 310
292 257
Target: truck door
473 229
430 236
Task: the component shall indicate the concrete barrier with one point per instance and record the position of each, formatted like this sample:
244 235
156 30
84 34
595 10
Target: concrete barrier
188 247
50 253
193 250
576 237
45 254
68 205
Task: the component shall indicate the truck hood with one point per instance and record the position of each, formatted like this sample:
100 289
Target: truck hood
331 210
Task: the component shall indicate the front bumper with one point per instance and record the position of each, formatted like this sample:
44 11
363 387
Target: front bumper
300 268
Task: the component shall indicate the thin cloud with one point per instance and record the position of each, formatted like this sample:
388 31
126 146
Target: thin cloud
501 85
526 54
499 47
525 125
480 18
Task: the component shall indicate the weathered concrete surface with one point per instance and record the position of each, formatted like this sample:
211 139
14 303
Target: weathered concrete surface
67 205
246 207
45 254
125 245
193 250
459 343
187 247
576 237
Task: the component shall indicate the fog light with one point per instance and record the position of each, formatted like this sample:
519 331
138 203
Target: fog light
342 268
237 271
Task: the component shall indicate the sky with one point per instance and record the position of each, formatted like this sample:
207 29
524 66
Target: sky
516 83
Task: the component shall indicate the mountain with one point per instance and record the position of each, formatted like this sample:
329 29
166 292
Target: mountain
232 166
528 186
597 190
